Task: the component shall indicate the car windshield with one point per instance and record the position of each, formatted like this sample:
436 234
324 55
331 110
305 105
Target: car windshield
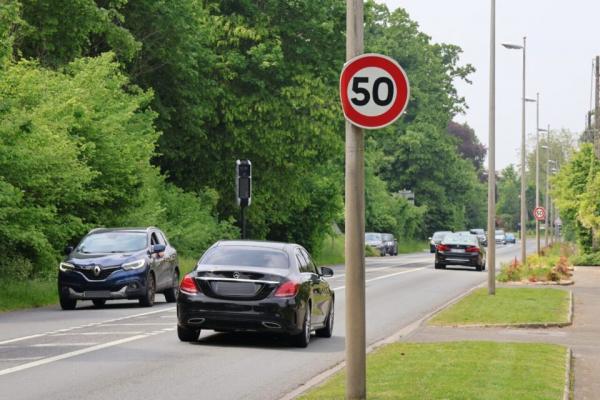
439 235
113 242
245 256
457 238
387 236
373 237
477 231
499 232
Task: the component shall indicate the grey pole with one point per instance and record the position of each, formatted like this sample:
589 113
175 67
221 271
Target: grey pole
491 222
355 228
537 171
523 167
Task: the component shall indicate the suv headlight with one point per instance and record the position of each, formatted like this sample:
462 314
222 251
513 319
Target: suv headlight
65 266
134 265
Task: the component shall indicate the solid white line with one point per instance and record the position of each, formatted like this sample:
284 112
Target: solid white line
99 333
385 276
142 324
69 355
85 326
63 344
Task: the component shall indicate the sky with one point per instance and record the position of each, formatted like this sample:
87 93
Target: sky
562 39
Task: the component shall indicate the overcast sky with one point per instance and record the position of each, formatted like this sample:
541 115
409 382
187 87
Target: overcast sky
562 39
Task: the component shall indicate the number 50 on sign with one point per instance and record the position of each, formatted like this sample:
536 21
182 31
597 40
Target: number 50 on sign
374 91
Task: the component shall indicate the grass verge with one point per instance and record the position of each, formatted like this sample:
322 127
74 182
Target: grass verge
508 306
458 371
16 295
412 246
331 251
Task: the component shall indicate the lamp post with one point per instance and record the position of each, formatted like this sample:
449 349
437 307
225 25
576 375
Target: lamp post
537 183
523 125
491 222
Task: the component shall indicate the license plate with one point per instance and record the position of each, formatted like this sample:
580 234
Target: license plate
96 294
457 250
235 288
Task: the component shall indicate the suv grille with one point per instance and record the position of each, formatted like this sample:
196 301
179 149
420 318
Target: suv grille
88 272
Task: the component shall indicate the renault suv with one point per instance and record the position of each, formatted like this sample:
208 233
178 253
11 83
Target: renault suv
123 263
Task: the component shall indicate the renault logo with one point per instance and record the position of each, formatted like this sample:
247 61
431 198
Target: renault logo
236 275
97 270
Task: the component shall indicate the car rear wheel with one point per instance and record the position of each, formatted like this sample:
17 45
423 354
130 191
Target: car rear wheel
187 334
66 303
327 330
439 266
171 293
148 299
99 302
303 338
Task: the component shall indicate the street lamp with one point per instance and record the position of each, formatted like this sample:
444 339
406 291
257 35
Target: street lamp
524 98
537 185
491 222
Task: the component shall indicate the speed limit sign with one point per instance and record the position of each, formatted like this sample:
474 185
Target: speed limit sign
539 213
374 91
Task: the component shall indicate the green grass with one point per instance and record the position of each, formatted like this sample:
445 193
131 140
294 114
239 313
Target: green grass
186 264
458 371
412 246
508 306
331 251
15 295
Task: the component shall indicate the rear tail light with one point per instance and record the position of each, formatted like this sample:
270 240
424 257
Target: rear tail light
288 289
472 249
443 247
188 285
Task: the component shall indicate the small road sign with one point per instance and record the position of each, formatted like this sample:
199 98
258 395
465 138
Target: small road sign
539 213
374 91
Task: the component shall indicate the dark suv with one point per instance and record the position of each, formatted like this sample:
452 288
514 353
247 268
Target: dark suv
123 263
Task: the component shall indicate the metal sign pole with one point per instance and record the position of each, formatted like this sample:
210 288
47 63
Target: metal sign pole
355 227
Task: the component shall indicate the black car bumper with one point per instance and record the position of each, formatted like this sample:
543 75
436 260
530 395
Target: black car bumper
199 311
450 258
120 285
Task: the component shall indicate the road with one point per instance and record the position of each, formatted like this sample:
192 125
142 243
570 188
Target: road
124 351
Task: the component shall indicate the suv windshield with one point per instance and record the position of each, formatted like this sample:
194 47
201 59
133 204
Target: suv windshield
113 242
245 256
500 232
372 237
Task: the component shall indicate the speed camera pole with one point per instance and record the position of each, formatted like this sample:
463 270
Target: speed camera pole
355 227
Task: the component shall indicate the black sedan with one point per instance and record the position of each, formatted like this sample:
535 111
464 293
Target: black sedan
460 249
256 286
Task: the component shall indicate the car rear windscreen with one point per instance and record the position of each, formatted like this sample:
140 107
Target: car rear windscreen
113 242
245 256
461 239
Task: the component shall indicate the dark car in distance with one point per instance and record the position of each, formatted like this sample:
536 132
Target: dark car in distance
256 286
119 263
437 239
391 244
375 240
460 249
480 233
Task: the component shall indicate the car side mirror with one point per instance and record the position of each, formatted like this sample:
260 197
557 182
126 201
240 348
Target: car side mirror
158 248
68 250
326 272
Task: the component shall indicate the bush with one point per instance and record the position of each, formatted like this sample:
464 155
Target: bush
16 268
371 251
587 259
550 266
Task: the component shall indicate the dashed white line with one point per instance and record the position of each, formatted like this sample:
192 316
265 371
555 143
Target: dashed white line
64 344
75 353
98 333
19 359
142 324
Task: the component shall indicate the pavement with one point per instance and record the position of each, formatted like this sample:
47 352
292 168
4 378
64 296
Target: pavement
583 337
124 351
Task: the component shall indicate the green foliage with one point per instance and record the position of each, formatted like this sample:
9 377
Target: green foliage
587 259
331 251
508 207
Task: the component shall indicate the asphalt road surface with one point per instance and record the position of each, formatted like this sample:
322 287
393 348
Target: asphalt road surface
123 351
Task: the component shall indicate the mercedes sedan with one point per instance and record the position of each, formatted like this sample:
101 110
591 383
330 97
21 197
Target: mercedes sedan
256 286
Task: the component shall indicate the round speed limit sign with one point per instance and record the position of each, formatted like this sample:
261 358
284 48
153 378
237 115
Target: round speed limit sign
539 213
374 91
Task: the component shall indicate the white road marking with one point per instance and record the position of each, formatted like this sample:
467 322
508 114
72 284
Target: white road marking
85 326
19 359
367 270
385 276
142 324
99 333
64 344
75 353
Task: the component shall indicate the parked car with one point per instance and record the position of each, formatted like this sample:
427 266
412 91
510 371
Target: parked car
376 240
119 263
500 236
480 233
510 238
256 286
457 249
437 239
391 244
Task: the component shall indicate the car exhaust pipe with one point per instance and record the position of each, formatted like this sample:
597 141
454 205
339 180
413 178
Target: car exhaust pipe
271 325
196 321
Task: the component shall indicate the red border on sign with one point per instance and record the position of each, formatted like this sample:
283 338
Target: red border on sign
402 90
543 210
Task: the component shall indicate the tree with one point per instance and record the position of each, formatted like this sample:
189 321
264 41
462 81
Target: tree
508 205
468 144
